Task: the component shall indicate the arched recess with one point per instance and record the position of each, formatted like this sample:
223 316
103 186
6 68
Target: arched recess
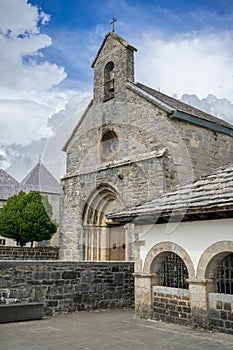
209 259
103 241
159 251
109 82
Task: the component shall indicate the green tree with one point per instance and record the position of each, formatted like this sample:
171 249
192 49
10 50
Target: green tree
25 218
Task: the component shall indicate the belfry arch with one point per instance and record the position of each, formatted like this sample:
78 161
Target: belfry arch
102 240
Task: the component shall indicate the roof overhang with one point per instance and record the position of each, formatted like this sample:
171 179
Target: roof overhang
182 215
201 122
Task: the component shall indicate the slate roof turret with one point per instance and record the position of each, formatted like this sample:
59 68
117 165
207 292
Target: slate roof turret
8 186
40 179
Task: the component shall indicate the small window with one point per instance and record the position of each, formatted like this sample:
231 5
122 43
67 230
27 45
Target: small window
109 145
109 82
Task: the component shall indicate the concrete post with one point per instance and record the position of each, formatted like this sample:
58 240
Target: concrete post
144 283
199 294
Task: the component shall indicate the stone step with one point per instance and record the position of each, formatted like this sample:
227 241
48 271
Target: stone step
21 312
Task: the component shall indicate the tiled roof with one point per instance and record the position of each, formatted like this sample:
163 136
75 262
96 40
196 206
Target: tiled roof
183 107
40 179
8 186
211 193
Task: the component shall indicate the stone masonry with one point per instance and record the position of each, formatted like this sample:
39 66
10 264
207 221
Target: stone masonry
154 151
68 287
27 253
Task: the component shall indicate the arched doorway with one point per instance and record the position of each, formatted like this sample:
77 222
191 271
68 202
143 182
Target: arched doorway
103 241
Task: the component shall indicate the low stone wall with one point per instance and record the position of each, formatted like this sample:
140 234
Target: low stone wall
171 305
221 312
26 253
68 286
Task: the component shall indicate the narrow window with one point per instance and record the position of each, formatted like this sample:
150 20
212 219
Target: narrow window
109 82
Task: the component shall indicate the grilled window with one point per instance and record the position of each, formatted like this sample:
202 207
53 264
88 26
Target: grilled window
2 241
173 272
223 275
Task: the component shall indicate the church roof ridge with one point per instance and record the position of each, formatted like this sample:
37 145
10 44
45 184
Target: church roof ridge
40 179
182 106
118 38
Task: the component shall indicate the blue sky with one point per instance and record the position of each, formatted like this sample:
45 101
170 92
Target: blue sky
77 27
46 51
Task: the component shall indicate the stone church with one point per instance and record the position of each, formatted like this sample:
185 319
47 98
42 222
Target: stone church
131 145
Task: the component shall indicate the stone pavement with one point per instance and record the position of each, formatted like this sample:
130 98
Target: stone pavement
106 330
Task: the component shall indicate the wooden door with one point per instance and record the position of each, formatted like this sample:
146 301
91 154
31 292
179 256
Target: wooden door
117 243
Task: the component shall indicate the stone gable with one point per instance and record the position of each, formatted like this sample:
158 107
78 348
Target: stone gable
136 144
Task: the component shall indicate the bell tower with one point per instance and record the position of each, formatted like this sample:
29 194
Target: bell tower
113 67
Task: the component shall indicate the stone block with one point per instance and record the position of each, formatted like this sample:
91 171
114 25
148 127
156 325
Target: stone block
21 312
227 306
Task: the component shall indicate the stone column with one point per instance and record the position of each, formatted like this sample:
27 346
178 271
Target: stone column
144 283
199 290
129 232
104 254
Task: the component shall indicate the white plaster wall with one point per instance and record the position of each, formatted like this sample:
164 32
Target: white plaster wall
194 237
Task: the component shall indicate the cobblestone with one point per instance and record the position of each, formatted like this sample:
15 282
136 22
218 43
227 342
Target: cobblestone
107 330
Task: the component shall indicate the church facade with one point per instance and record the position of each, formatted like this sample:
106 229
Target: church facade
131 145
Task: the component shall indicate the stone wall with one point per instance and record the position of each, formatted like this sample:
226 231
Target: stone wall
155 153
68 286
171 305
26 253
221 312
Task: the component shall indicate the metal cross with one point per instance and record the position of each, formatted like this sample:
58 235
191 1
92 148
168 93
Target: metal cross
113 23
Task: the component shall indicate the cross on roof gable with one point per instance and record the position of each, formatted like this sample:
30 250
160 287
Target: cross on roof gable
116 37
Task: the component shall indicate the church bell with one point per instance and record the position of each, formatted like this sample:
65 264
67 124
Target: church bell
111 86
111 82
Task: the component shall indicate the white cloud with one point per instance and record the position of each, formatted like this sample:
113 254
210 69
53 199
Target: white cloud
20 158
29 95
29 85
218 107
196 63
23 121
17 17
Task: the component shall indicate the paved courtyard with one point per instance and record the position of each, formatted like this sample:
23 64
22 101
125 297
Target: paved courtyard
106 330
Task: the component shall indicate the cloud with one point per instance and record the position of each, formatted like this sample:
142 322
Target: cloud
29 84
18 17
29 117
19 159
218 107
196 63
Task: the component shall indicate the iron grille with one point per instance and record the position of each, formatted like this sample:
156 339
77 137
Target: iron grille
223 275
173 272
